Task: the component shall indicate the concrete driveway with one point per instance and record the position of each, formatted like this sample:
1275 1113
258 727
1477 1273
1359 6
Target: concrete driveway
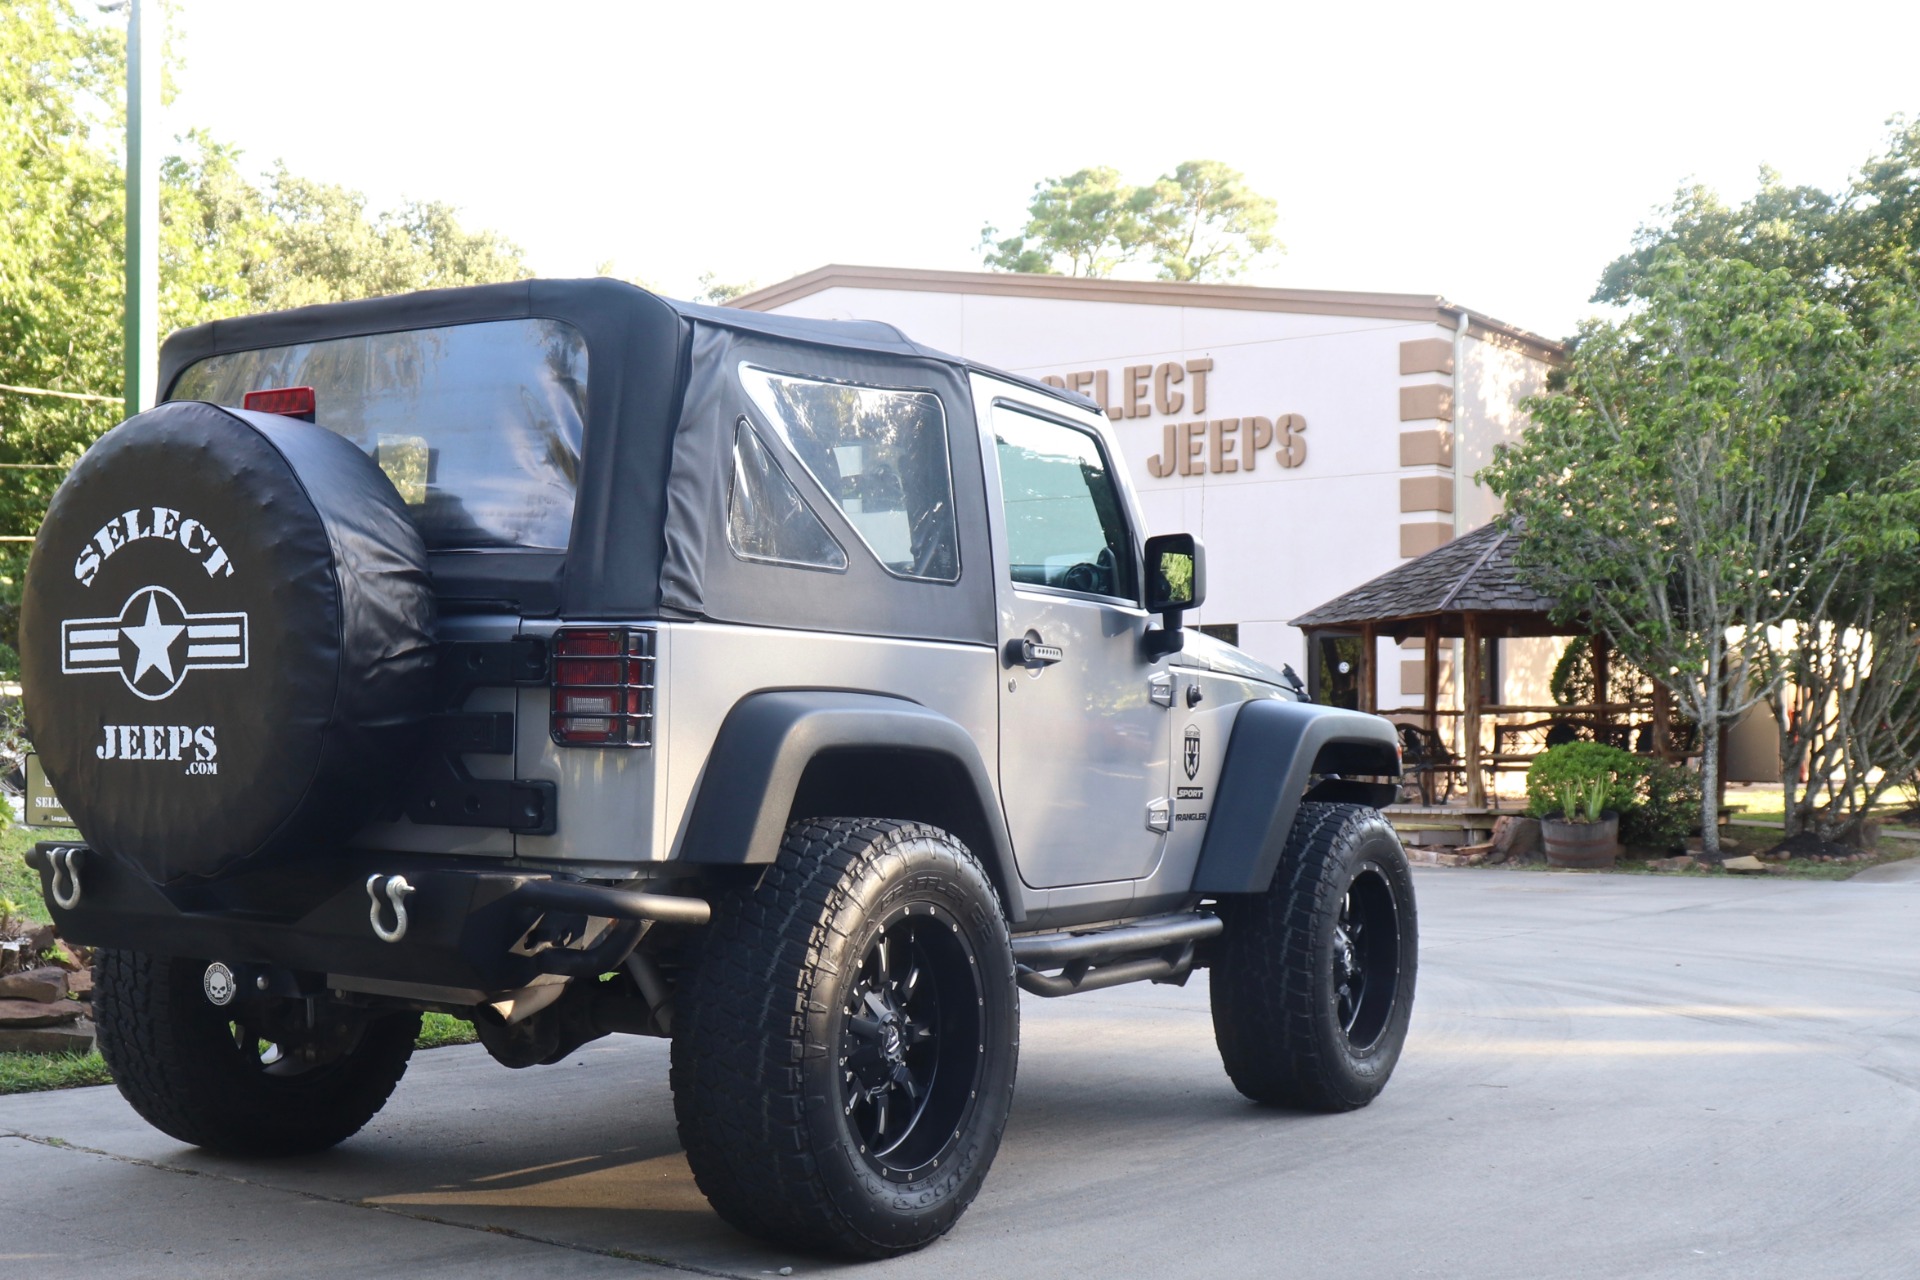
1608 1076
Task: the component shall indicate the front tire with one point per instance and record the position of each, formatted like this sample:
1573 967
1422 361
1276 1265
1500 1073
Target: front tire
252 1082
844 1053
1312 985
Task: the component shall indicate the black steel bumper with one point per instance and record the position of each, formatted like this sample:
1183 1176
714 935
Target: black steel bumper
468 927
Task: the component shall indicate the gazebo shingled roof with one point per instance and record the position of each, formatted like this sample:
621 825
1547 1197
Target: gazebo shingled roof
1473 574
1467 589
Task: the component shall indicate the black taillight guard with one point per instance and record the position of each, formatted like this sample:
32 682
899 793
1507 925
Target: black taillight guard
603 686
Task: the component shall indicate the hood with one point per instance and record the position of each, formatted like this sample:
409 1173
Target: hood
1209 654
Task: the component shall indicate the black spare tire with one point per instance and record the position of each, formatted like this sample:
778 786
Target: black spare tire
226 641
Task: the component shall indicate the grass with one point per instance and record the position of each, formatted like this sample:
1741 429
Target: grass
20 883
38 1072
438 1030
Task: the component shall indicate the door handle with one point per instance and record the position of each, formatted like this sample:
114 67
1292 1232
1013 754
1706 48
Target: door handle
1030 652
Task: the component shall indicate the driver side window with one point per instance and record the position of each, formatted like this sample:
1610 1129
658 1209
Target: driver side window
1065 526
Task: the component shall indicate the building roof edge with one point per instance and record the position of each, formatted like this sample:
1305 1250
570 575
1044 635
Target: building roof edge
1413 307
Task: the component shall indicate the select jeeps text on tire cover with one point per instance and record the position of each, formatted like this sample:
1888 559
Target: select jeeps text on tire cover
578 662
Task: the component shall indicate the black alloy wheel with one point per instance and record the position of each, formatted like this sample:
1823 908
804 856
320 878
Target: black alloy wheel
1366 942
910 1047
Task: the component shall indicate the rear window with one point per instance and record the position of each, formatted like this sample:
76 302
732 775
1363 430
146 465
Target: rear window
477 425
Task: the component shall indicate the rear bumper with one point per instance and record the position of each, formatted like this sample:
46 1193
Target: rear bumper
475 929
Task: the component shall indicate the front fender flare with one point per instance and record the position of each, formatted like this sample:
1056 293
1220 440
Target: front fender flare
746 793
1275 747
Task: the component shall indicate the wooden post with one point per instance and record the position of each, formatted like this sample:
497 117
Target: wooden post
1432 691
1369 677
1470 703
1601 651
1432 695
1662 722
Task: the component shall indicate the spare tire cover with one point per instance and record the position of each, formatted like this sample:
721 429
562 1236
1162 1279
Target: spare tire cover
226 641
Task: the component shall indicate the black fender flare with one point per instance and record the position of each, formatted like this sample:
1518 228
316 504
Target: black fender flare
1275 747
753 773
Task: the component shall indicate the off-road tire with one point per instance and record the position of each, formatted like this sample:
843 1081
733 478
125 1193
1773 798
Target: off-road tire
770 1109
175 1060
1277 1009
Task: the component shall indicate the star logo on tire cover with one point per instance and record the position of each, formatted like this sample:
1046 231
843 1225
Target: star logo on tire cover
153 643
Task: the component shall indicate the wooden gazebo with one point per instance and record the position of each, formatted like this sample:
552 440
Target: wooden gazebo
1466 590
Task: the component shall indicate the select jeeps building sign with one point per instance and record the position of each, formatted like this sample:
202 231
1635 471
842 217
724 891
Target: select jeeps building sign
1203 444
1314 438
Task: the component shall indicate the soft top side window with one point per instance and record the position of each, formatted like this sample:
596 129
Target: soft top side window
880 454
767 519
1065 525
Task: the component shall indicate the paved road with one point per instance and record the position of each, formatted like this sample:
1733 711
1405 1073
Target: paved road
1608 1076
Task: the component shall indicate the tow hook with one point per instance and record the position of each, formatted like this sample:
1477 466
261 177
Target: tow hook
65 863
397 890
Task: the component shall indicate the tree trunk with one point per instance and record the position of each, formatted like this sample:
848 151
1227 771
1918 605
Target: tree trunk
1710 785
1709 717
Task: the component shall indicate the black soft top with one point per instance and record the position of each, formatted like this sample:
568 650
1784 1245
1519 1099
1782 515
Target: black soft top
649 537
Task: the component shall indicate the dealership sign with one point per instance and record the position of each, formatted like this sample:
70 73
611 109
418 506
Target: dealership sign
1200 444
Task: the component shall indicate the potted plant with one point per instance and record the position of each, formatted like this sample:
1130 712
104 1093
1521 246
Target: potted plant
1586 833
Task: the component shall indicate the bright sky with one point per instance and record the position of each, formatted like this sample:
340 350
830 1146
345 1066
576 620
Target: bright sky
1497 153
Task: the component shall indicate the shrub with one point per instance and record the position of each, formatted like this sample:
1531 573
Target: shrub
1668 810
1581 763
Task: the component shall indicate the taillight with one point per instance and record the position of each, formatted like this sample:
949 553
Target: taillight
294 402
603 687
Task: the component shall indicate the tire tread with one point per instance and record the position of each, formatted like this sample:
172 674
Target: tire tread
1267 1017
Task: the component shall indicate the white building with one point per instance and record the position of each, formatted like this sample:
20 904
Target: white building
1312 438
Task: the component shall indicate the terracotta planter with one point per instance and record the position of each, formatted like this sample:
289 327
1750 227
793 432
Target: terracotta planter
1581 844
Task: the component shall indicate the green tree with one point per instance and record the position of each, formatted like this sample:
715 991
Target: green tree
228 246
231 247
1090 221
1207 224
1860 247
1200 222
1671 489
61 228
1849 715
717 291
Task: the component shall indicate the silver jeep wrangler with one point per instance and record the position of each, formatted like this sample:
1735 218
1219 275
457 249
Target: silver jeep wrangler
576 662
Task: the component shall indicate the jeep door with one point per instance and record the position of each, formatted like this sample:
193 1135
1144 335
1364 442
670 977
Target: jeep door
1084 751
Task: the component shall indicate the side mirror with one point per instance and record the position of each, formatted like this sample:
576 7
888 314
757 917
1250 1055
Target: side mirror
1176 581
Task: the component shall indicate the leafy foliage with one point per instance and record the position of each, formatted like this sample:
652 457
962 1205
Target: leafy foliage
228 246
1676 490
1666 809
1200 222
1580 764
1856 248
1573 684
1849 706
718 291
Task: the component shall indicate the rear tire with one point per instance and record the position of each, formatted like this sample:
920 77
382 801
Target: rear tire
1312 984
844 1053
194 1072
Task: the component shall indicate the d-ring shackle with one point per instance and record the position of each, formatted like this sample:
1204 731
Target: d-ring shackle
397 889
65 862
